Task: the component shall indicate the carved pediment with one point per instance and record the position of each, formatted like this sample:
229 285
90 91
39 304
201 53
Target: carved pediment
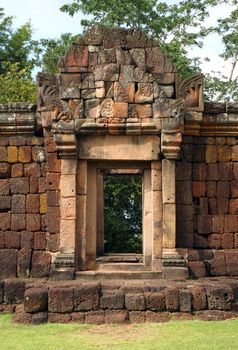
191 90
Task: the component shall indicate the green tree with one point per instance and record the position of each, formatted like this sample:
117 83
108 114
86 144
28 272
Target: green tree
52 49
16 85
18 56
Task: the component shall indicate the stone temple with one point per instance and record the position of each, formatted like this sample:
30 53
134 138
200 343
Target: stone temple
118 106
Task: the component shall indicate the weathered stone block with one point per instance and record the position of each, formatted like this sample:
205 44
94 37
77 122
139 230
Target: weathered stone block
231 259
218 264
39 240
32 203
204 224
24 262
19 185
225 171
172 299
33 222
8 263
213 173
185 300
60 300
32 170
24 154
41 264
86 297
12 239
155 301
14 291
4 187
53 219
112 300
53 163
199 189
17 170
224 153
27 239
5 170
211 189
135 302
137 317
116 316
52 181
219 298
95 317
230 223
211 154
197 269
5 221
12 154
223 189
39 318
35 300
199 299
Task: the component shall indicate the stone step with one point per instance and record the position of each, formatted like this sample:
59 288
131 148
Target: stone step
115 275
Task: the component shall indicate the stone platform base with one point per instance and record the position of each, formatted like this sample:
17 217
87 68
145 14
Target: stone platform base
119 301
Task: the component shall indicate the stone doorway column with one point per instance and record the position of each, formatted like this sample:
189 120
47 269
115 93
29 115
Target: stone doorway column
173 264
65 260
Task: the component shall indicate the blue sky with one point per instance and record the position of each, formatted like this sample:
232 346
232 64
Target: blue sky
49 22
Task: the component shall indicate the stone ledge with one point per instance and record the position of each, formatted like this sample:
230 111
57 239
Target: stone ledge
121 301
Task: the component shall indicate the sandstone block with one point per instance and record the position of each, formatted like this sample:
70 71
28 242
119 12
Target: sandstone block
24 262
155 301
32 170
32 203
213 173
95 317
211 154
12 239
26 239
224 153
185 300
5 221
225 171
17 170
199 299
112 300
231 258
4 187
39 318
35 300
218 264
234 189
53 163
204 224
234 153
3 154
33 222
230 223
137 317
223 189
5 170
116 316
227 240
143 111
172 299
135 302
8 263
145 93
43 203
39 240
120 110
222 206
52 181
211 189
60 300
41 264
214 241
53 219
199 188
24 154
197 269
12 154
183 171
86 297
14 291
219 298
68 185
19 185
53 242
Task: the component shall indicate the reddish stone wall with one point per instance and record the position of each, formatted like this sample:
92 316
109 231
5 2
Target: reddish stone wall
207 178
29 178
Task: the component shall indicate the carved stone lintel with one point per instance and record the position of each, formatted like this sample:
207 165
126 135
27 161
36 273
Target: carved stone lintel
66 145
191 90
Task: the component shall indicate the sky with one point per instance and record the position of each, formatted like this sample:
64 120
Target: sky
49 22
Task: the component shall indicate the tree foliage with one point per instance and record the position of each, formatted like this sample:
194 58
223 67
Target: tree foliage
122 214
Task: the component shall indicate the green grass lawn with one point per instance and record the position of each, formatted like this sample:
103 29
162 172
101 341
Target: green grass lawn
176 335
